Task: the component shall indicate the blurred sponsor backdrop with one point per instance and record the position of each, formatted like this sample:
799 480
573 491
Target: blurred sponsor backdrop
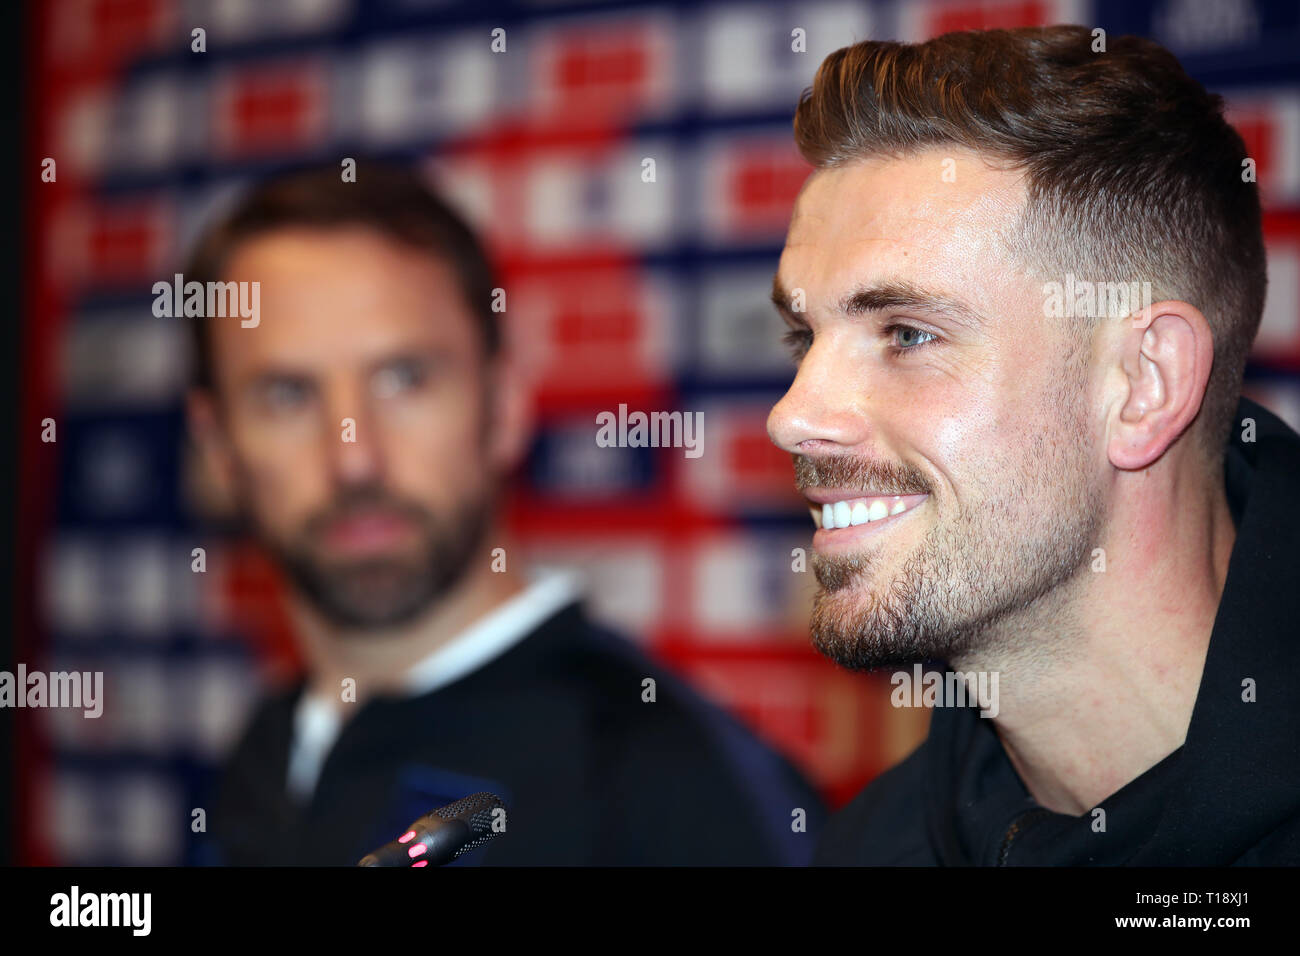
542 146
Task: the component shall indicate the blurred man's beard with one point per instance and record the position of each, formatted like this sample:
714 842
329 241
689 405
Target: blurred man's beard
388 590
998 555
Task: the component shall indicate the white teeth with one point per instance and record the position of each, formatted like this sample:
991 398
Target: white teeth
843 514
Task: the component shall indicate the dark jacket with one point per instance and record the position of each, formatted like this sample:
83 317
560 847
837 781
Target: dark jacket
557 727
1229 795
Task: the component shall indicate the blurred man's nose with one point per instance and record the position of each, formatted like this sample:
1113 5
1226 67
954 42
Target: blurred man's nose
824 409
352 432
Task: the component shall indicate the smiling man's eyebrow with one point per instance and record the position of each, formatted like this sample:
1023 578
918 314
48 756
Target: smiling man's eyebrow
883 296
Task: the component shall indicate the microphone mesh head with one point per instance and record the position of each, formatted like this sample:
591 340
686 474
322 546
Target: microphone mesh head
477 811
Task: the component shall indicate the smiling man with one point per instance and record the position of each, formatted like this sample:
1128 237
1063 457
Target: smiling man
1070 496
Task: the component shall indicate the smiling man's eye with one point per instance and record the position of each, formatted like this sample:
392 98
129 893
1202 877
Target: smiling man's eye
905 337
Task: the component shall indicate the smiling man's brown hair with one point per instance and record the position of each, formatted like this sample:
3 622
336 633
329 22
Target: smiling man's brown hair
1132 172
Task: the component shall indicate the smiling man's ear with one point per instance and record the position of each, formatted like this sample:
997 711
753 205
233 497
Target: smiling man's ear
1162 358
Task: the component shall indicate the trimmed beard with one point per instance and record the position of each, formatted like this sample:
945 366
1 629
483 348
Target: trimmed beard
993 557
383 591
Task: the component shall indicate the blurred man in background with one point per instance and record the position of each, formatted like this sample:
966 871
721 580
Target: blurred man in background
366 421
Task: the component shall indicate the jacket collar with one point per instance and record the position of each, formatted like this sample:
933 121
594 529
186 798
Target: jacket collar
1237 775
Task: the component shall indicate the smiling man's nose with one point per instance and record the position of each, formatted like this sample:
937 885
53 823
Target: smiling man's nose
822 408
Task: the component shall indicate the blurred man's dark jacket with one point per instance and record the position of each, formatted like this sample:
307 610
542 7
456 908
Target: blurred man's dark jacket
1229 795
555 725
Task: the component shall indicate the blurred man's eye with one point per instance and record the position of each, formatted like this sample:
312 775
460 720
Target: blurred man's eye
283 394
398 377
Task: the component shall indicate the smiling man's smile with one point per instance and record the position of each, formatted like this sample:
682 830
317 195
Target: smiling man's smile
922 354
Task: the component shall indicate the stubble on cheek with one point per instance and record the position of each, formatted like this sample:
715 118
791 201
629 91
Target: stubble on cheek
1017 526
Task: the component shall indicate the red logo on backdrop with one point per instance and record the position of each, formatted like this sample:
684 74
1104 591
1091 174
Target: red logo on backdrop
272 109
756 464
1260 134
620 65
617 328
112 245
588 73
102 32
594 327
762 189
987 16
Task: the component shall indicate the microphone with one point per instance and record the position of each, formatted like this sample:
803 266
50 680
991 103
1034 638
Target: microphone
442 835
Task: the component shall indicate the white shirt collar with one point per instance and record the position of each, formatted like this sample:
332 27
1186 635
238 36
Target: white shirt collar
494 633
316 721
